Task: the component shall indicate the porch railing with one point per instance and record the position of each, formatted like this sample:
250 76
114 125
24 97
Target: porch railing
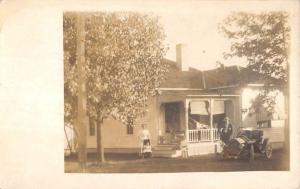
203 135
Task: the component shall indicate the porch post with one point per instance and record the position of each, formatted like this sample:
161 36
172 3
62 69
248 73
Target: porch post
186 105
211 101
82 93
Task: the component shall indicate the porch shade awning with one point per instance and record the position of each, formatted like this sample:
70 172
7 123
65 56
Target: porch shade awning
218 107
199 107
202 107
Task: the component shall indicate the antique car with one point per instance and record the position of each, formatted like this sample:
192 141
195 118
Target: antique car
248 142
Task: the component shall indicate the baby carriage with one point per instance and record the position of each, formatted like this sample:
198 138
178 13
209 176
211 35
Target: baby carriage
146 149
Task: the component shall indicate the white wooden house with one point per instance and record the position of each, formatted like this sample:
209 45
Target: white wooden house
271 123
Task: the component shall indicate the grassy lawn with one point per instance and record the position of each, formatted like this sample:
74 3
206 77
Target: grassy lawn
130 163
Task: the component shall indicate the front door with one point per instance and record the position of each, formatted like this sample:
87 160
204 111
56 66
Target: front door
172 120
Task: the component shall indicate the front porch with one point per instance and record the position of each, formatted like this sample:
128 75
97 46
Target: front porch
200 141
194 121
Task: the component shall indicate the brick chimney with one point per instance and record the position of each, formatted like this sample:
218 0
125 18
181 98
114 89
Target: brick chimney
182 57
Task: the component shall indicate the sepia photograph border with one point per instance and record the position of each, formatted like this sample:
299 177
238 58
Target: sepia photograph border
31 94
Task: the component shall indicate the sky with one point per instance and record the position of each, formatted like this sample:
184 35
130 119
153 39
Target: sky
193 23
199 32
197 27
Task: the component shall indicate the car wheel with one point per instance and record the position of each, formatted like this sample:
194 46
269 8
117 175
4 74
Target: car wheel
268 151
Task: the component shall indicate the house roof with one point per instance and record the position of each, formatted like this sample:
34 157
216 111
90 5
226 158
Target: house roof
231 76
176 78
226 77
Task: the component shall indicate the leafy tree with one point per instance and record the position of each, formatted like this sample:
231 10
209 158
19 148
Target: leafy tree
70 82
263 40
123 53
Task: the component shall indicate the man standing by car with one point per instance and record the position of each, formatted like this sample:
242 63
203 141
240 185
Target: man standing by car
225 130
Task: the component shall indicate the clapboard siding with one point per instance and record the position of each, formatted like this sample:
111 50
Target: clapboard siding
276 132
115 132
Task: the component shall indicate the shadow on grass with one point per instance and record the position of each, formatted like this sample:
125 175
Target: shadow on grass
131 163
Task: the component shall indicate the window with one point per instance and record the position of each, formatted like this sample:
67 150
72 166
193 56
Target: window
264 124
129 126
129 129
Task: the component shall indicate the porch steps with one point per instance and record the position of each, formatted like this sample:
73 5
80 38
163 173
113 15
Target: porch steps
194 149
202 148
166 150
166 147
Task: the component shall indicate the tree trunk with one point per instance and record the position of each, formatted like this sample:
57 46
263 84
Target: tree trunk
100 148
